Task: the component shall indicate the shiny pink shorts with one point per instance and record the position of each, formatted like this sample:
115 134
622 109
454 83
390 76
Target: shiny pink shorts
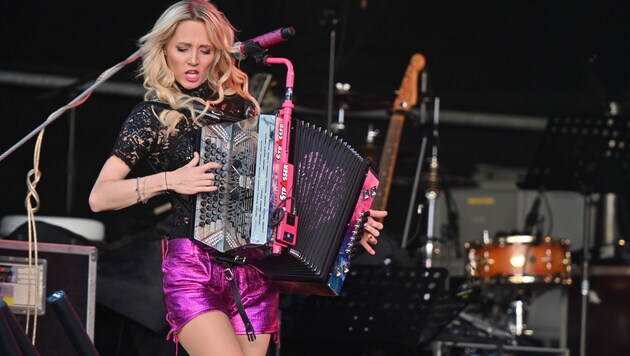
194 284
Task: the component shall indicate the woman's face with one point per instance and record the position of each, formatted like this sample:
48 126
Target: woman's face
189 54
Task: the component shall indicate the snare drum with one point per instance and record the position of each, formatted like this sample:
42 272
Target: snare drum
520 259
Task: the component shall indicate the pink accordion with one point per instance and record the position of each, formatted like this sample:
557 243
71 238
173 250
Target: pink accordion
306 214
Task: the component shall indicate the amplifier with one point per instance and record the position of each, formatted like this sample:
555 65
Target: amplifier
71 268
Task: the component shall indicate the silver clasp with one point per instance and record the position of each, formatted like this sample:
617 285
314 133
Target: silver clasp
228 274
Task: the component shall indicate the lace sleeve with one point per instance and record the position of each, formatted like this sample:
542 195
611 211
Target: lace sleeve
250 110
138 135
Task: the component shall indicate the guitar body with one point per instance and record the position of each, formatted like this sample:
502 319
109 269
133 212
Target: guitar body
406 98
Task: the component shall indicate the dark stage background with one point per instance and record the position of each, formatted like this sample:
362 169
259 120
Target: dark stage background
499 67
502 67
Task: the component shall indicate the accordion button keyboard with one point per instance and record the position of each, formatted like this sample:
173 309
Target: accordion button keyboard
212 203
355 236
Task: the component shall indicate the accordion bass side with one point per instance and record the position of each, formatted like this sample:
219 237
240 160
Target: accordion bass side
331 192
237 215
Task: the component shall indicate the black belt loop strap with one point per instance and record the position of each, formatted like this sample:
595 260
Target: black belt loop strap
227 262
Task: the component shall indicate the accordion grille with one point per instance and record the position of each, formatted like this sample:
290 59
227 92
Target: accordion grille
328 176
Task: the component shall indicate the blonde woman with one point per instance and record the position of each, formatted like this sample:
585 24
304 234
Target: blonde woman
188 64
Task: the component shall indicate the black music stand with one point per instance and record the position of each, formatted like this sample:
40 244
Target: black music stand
582 154
392 308
585 154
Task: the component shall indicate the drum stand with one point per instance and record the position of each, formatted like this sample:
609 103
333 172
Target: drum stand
518 312
510 307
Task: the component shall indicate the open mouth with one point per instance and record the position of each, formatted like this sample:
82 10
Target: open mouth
192 75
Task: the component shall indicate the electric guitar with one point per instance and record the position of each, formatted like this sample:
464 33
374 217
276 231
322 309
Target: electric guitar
406 98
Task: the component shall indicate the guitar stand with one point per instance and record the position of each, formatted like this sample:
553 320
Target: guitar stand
380 306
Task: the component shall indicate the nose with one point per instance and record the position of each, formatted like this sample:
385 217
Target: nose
193 59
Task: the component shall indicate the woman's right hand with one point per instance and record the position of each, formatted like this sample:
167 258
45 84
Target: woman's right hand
193 178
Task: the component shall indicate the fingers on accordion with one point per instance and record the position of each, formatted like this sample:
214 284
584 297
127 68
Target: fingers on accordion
368 248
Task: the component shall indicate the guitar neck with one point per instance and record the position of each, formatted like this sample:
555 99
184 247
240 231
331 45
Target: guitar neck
388 161
406 98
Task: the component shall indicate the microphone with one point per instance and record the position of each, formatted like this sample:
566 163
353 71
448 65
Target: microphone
258 45
532 217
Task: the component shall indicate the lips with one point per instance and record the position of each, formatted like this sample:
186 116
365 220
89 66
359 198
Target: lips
192 75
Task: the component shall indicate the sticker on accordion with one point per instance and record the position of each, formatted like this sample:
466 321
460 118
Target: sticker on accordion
261 232
284 223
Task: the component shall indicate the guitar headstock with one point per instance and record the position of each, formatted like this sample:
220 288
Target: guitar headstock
407 94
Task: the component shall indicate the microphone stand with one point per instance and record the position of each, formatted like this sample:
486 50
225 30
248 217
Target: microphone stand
331 20
414 192
80 99
423 147
431 193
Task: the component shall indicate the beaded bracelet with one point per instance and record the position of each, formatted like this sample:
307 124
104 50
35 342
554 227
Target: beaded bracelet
144 190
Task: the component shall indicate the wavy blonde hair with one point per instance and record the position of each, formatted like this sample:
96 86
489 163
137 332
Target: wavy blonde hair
224 78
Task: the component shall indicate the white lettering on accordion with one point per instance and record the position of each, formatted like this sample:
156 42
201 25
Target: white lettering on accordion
285 178
279 148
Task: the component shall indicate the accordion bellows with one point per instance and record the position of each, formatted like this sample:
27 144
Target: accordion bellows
332 190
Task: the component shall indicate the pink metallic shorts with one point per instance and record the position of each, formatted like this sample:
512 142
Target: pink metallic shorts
194 284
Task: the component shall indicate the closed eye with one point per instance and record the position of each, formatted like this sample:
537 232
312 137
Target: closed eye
206 50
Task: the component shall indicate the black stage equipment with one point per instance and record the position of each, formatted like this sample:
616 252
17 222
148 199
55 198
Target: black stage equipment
16 331
381 306
71 323
585 154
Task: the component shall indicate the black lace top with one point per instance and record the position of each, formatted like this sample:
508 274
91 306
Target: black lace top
143 136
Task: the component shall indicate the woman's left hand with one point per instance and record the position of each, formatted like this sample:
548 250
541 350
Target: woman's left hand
372 230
